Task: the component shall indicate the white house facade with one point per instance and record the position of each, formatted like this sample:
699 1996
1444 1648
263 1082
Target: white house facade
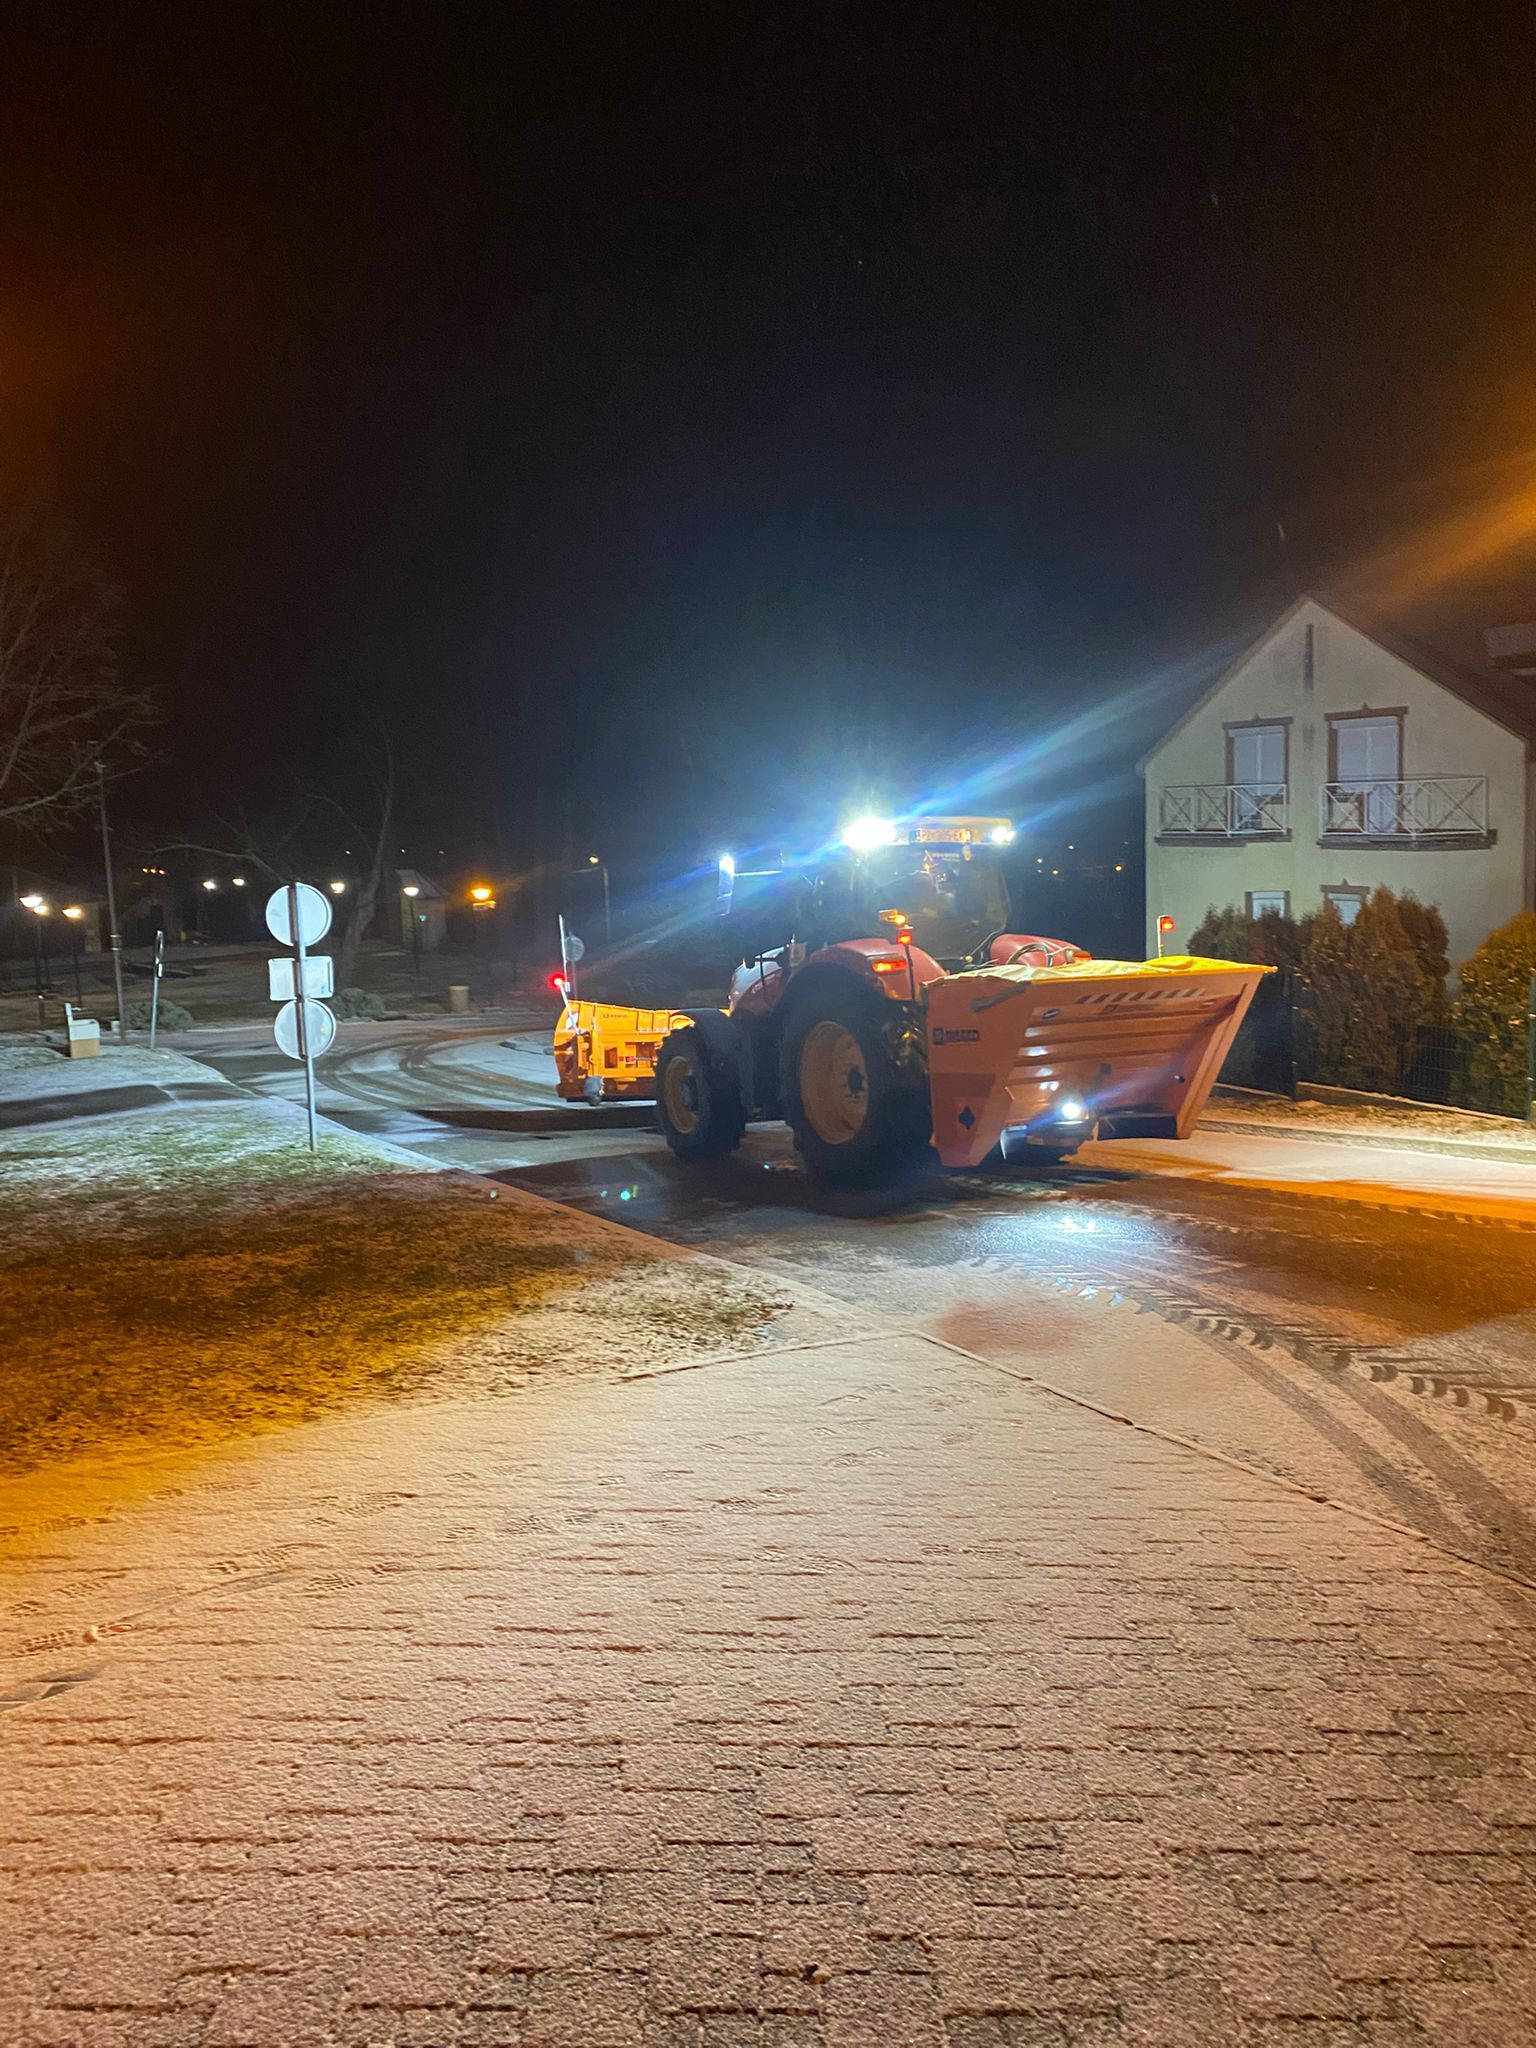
1325 763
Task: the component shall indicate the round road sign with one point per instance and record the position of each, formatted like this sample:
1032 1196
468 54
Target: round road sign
318 1022
314 915
575 949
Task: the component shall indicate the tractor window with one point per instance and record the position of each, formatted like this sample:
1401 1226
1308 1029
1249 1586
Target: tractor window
953 904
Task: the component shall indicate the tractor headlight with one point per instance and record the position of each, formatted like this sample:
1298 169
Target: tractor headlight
865 834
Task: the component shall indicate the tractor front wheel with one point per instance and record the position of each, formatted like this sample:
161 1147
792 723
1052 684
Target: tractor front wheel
853 1095
698 1100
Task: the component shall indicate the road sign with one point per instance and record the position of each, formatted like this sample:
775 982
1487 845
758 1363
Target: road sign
575 949
283 976
319 1025
314 914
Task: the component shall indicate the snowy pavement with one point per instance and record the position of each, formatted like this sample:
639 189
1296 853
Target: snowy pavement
1343 1169
850 1695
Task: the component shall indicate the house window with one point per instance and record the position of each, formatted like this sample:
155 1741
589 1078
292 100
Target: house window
1365 767
1257 770
1347 902
1269 902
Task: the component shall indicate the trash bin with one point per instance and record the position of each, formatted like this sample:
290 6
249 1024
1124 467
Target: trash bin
458 997
83 1038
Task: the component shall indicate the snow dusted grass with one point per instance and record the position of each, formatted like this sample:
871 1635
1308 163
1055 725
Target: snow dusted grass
183 1270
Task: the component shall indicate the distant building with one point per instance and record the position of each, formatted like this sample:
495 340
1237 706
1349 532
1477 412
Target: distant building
1331 759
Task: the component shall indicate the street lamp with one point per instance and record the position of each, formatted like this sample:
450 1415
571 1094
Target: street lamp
411 891
595 860
237 881
74 913
39 909
210 885
337 888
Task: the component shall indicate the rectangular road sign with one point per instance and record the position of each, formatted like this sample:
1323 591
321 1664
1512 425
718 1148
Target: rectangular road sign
283 977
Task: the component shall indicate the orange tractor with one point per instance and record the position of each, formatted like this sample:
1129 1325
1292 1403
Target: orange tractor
881 1005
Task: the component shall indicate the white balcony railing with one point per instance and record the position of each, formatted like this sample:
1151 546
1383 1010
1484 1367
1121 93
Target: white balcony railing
1225 810
1446 807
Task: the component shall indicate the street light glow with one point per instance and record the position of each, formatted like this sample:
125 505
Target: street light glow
31 902
593 861
238 881
480 893
410 889
210 885
338 888
73 910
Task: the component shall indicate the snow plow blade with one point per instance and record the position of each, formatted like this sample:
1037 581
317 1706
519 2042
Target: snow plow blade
606 1053
1135 1048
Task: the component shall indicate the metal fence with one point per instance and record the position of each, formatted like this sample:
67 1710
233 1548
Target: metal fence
1277 1048
1224 810
1404 807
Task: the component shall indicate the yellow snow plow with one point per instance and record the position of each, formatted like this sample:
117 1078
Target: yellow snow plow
604 1053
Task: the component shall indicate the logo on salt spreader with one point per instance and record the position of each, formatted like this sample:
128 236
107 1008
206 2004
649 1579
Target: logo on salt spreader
941 1036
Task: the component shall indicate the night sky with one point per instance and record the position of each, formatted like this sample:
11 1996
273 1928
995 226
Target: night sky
676 419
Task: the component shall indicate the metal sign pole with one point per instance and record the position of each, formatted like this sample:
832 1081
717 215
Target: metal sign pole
115 936
301 1017
154 987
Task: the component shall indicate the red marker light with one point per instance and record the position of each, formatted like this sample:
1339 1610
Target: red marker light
558 983
1165 923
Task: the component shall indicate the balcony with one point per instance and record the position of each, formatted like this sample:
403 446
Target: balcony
1418 810
1212 813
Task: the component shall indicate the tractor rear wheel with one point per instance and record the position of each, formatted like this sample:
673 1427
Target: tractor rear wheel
698 1100
853 1096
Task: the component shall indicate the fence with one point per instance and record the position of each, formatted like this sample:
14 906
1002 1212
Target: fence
1277 1048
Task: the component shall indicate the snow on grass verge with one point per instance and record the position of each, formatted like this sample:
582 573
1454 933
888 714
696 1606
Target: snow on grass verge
177 1271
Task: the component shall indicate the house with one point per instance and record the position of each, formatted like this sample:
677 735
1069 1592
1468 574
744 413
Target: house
1331 759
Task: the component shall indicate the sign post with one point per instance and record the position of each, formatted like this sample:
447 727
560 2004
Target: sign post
300 916
572 952
154 987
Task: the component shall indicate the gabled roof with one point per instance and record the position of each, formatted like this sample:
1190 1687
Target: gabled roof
1504 699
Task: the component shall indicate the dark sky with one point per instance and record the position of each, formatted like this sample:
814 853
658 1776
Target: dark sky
696 411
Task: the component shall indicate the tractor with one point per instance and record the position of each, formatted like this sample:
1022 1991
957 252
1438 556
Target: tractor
881 1005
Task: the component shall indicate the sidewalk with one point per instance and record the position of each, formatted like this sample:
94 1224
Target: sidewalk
1336 1155
847 1697
1456 1133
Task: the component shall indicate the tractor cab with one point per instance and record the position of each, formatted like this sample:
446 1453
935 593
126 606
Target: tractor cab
944 876
940 877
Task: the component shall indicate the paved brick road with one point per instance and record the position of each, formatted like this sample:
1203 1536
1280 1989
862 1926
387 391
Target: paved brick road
858 1695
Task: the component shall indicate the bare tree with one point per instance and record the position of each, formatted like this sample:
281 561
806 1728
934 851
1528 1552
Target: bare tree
62 705
289 847
370 817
